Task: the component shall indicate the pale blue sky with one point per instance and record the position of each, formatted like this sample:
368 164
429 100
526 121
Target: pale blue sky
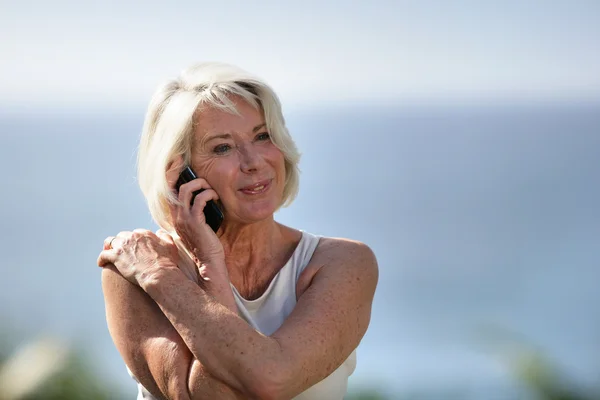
67 53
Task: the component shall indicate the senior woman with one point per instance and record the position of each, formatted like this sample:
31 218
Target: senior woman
256 309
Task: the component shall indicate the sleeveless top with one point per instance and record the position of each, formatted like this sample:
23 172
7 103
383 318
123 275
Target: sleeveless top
268 312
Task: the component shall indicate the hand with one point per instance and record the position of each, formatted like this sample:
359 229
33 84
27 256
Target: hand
140 254
189 221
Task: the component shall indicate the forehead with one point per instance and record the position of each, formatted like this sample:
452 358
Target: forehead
211 121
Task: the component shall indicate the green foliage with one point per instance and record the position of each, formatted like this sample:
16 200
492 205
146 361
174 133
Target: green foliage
47 370
366 394
544 379
69 375
75 382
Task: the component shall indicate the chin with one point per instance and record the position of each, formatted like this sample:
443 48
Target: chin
257 212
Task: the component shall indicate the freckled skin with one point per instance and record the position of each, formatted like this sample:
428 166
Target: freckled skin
183 339
230 164
249 158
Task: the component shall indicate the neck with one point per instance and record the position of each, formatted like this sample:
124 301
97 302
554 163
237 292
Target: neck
248 244
255 252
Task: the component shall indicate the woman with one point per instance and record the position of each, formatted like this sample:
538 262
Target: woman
257 309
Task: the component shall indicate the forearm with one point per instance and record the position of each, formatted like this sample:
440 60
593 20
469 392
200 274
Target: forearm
220 291
169 371
151 348
217 337
167 368
202 385
214 281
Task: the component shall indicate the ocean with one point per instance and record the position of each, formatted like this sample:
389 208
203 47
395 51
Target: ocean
485 221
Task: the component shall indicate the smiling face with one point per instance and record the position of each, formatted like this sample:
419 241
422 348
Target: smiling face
239 161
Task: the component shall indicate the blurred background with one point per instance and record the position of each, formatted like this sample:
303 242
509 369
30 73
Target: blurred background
460 140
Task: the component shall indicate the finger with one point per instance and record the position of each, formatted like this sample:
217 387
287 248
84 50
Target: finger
117 242
187 190
106 257
203 198
112 242
173 170
164 235
107 242
143 231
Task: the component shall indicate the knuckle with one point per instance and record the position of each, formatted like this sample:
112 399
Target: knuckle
140 233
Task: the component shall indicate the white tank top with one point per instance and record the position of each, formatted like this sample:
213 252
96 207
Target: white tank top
267 313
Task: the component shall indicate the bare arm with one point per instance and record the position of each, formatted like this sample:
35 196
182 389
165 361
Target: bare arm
326 325
152 348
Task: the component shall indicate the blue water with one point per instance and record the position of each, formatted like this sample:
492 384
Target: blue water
483 219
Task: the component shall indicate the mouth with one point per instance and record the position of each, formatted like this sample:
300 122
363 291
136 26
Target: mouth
257 188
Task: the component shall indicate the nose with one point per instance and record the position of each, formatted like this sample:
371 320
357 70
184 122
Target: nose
250 159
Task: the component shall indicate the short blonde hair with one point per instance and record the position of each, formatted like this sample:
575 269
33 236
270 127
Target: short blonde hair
169 127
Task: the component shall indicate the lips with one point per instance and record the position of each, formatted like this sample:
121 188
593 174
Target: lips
257 188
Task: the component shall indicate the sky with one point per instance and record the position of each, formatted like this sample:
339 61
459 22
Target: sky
68 54
516 186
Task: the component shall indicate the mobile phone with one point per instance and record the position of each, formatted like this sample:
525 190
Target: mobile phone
212 212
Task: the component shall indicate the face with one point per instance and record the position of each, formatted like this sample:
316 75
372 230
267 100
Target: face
237 158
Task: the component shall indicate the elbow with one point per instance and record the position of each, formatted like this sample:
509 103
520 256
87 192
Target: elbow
264 391
170 387
271 383
176 388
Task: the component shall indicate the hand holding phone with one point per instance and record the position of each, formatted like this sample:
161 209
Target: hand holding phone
212 213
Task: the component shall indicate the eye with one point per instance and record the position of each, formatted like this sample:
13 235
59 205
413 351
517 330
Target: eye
222 149
263 136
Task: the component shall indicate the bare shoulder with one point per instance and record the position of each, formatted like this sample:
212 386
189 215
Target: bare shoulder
342 257
344 250
349 257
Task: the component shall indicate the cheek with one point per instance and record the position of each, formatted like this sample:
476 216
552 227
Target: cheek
221 174
277 161
276 157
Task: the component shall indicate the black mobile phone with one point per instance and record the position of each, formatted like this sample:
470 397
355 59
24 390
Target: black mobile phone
212 212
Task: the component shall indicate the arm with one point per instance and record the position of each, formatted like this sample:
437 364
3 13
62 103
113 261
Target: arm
326 325
151 348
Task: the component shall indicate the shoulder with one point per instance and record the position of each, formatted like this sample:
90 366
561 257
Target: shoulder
342 260
333 251
340 247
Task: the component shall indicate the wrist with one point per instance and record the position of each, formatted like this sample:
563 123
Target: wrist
222 294
214 279
214 272
152 279
200 258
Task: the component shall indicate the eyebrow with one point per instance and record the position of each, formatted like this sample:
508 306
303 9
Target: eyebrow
228 135
258 127
220 136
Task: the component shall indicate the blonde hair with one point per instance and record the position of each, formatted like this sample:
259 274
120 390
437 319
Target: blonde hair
169 127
